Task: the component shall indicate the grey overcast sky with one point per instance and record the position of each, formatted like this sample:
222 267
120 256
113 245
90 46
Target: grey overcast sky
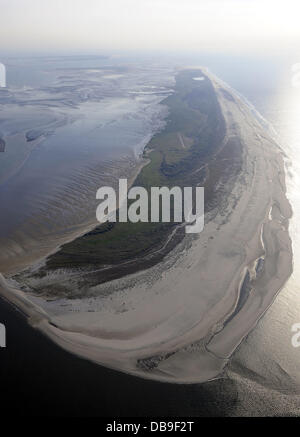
194 25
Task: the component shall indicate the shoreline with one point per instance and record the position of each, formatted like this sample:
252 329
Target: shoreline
195 345
41 255
103 258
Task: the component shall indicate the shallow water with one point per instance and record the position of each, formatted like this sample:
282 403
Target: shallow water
89 125
267 355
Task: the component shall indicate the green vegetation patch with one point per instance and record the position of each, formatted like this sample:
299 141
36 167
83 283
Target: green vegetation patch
177 156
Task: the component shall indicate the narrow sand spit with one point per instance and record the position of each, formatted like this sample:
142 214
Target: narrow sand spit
181 320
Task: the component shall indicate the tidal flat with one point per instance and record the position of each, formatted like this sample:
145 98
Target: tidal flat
181 318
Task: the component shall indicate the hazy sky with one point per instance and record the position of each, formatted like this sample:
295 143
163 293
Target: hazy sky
195 25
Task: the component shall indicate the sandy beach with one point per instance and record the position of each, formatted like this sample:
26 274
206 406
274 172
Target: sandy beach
181 320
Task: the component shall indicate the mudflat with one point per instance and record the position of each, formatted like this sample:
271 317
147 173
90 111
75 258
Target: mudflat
181 318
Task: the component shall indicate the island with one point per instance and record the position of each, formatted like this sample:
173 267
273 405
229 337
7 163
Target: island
149 299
